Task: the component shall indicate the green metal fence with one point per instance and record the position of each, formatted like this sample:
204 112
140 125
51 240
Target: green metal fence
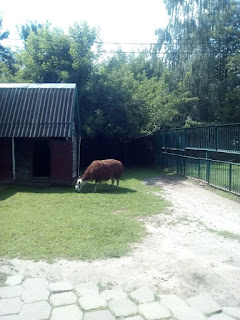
219 174
224 138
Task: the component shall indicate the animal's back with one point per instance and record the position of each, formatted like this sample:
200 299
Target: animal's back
104 170
117 168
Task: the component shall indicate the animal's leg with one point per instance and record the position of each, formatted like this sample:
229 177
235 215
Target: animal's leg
117 183
112 183
99 182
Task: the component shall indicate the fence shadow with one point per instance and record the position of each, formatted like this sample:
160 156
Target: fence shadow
166 178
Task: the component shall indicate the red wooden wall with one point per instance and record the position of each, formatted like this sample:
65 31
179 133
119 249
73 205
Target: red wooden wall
61 162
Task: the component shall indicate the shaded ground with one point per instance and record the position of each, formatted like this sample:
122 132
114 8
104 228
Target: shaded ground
193 248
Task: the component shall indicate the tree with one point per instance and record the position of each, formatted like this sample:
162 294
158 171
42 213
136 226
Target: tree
6 56
46 57
50 55
202 40
33 26
110 108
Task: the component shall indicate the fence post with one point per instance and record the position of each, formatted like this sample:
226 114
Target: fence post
216 137
208 170
230 176
199 168
184 166
165 139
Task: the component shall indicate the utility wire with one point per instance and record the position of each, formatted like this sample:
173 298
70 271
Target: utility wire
142 52
197 50
215 41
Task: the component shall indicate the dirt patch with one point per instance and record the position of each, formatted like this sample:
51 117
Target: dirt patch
192 248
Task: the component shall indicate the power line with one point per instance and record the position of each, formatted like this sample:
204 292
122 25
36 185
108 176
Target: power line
216 41
139 52
161 53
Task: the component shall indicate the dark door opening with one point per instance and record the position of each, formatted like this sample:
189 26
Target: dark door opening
41 158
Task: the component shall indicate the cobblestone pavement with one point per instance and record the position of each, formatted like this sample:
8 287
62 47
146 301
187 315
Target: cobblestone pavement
37 299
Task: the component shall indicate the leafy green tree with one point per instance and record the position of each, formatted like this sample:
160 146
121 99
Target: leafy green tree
46 57
202 39
162 106
6 58
110 108
32 26
50 55
124 99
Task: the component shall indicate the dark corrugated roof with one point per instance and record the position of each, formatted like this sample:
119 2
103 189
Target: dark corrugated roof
38 110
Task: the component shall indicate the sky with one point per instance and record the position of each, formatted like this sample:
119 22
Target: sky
122 21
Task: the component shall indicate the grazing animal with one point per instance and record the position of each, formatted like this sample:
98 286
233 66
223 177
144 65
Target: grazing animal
101 170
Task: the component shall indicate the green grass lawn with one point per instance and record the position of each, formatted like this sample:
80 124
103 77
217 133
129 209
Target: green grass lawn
51 223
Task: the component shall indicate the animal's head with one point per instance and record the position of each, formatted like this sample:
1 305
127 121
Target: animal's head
79 184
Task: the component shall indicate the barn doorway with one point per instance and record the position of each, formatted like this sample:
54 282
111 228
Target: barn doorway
41 158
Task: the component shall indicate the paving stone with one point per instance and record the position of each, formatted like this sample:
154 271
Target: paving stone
233 312
92 301
36 310
14 280
11 317
99 315
114 294
187 313
134 318
72 312
221 316
35 294
123 308
142 295
154 310
57 287
172 301
11 292
10 306
87 288
39 282
35 289
204 303
63 298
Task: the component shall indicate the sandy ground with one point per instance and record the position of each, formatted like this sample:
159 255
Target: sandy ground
184 253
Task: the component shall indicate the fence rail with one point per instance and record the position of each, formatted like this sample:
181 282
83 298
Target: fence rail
219 174
224 138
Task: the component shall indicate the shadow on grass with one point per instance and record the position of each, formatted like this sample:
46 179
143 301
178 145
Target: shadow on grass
149 175
107 190
165 177
10 190
6 191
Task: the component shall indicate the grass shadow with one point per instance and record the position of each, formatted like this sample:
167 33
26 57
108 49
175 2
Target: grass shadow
107 190
10 190
149 175
6 191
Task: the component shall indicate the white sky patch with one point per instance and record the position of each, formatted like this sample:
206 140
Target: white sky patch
132 21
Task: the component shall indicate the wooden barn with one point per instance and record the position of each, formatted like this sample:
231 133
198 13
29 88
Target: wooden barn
39 133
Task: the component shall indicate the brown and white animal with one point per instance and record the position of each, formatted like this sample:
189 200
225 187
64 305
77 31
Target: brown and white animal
101 170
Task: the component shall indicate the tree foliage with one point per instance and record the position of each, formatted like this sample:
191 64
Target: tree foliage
52 56
202 43
33 26
6 57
